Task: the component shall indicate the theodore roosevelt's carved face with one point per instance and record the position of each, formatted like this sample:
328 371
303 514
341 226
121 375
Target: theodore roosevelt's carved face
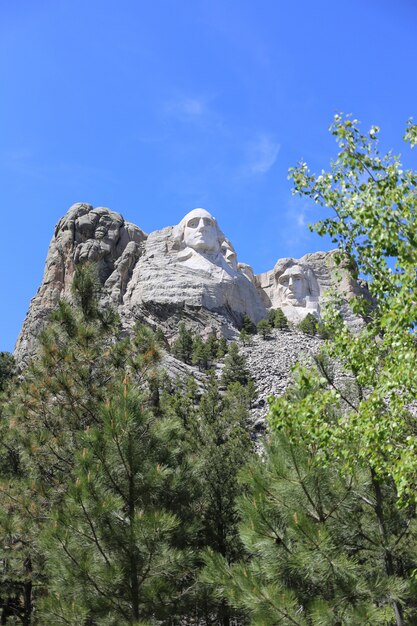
229 254
293 286
201 232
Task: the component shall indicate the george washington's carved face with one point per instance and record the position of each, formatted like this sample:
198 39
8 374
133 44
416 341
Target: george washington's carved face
201 231
293 286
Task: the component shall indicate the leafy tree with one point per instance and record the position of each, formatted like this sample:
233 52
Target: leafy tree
326 542
309 325
264 328
182 347
374 223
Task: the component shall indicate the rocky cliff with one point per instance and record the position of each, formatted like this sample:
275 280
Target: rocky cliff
185 272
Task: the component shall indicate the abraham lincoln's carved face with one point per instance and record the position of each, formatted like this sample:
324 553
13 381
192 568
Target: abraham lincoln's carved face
293 286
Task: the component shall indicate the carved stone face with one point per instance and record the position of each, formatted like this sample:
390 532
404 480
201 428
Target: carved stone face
201 232
293 286
229 254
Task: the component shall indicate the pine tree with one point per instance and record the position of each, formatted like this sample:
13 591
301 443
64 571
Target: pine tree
315 553
220 445
280 320
7 368
271 317
200 354
309 325
263 327
183 346
248 325
81 359
235 368
17 511
112 549
212 345
161 339
222 349
80 354
244 337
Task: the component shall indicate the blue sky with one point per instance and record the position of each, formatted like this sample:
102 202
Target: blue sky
154 108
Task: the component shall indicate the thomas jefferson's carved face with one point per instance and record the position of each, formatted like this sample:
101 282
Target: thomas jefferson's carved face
293 286
200 232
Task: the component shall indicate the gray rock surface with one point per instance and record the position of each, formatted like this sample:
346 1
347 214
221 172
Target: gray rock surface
302 286
270 363
162 279
186 272
84 233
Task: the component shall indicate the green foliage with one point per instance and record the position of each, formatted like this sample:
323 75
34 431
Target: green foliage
160 338
212 345
264 328
244 337
248 326
7 368
314 550
219 445
111 546
271 317
374 224
182 347
201 354
309 325
280 320
222 348
80 362
235 368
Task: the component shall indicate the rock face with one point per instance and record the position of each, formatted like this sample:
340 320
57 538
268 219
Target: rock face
192 266
302 286
189 271
84 233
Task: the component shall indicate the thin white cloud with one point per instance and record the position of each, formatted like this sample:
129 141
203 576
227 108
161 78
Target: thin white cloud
301 219
263 153
294 221
188 108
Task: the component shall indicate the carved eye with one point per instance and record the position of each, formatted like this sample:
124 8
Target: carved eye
208 222
193 223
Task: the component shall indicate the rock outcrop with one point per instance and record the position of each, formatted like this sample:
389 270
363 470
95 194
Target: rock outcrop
186 272
84 233
193 268
302 286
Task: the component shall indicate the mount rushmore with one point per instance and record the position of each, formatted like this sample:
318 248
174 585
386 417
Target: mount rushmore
185 272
